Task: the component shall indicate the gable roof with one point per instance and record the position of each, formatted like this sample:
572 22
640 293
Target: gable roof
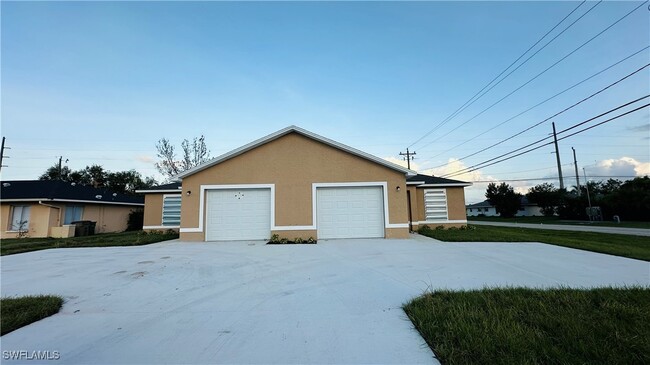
433 181
174 187
486 204
293 129
56 190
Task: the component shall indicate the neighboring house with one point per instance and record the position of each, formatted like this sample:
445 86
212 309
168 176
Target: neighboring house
45 208
293 183
527 209
435 201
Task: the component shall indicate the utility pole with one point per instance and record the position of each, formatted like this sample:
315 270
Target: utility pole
557 156
587 187
60 167
408 158
2 153
575 164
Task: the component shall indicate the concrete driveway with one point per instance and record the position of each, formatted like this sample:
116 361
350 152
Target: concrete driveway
245 302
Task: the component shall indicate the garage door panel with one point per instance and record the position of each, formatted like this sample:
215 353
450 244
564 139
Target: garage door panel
238 214
350 212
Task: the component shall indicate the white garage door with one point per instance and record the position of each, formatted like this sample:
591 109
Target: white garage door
238 214
350 212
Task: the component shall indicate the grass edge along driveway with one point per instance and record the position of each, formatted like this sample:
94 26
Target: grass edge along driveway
532 326
131 238
635 247
19 312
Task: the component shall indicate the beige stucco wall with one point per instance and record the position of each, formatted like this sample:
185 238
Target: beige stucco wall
109 218
41 218
455 206
153 204
293 162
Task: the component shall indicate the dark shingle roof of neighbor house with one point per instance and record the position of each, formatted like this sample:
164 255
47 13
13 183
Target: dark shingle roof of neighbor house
55 190
420 179
166 188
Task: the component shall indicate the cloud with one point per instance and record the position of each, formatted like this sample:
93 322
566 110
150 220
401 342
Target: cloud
640 128
624 166
145 159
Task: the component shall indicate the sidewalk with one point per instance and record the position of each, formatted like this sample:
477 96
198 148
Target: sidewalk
567 227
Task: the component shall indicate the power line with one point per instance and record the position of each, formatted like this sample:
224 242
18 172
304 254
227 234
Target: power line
548 178
465 105
486 163
548 99
536 76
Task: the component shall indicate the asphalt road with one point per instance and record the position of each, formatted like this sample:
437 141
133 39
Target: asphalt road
568 227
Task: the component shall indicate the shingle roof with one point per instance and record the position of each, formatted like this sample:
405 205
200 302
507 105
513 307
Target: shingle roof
433 180
62 190
175 186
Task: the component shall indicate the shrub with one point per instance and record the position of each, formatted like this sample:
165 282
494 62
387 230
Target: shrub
135 220
275 239
298 240
311 240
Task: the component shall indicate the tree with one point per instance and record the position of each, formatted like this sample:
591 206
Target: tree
546 196
505 200
55 173
125 182
194 153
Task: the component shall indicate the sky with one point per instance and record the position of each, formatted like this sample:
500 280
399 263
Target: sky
101 83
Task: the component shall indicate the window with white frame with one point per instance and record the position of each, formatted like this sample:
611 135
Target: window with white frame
19 218
171 212
435 205
73 213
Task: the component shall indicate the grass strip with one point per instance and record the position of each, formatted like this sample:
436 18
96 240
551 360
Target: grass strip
635 247
530 326
19 312
134 238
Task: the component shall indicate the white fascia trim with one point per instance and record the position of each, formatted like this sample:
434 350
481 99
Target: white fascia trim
160 227
444 185
158 191
383 184
282 132
448 221
202 198
293 228
415 182
68 201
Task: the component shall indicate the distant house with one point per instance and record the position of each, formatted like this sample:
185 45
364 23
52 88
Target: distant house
47 208
527 209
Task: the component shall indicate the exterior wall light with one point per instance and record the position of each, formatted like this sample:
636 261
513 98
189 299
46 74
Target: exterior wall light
398 188
189 192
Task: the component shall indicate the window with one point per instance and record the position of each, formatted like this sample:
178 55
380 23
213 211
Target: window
171 212
435 204
20 218
73 213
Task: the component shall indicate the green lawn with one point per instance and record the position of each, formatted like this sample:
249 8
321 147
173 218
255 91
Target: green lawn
529 326
135 238
19 312
636 247
557 220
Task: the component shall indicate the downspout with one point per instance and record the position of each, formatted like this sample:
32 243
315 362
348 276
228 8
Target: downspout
40 202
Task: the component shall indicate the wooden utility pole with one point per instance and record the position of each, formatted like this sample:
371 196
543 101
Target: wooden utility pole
408 156
2 153
557 156
575 164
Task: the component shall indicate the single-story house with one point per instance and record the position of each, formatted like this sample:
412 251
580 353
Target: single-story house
296 184
45 208
484 208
